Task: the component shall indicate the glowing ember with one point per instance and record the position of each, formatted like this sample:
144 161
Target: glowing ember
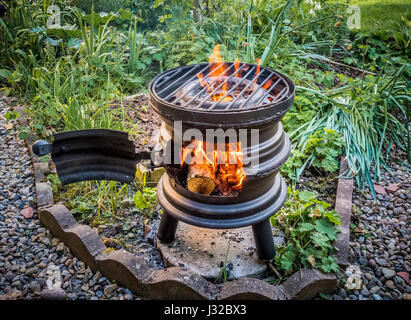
267 84
224 167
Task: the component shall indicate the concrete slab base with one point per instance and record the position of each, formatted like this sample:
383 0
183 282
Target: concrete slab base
203 251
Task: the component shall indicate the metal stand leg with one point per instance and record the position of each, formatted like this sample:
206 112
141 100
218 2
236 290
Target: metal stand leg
264 241
167 228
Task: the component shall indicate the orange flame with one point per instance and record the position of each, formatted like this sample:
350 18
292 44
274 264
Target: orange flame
217 65
217 70
258 70
203 82
267 84
230 174
237 65
217 79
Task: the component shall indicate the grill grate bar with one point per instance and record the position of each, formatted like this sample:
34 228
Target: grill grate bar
269 92
259 87
166 77
280 95
205 88
245 91
242 91
179 78
227 93
217 88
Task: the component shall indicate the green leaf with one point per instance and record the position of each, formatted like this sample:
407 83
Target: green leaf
6 91
329 264
333 217
326 227
320 240
23 135
64 32
307 195
287 260
5 74
306 227
140 201
11 115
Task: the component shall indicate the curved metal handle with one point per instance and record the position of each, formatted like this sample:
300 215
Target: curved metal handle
42 147
94 154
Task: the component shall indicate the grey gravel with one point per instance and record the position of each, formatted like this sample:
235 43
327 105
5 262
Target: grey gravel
380 244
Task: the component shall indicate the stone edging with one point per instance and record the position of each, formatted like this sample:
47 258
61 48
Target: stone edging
132 272
343 205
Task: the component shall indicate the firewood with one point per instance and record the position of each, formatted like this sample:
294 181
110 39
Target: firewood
201 179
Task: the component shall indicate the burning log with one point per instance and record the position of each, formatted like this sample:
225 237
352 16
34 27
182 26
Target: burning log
201 179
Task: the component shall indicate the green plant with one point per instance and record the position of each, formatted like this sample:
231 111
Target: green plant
135 43
145 198
366 113
401 34
101 5
310 230
224 271
320 150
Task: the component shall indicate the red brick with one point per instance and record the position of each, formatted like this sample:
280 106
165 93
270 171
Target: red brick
392 188
27 212
379 189
405 276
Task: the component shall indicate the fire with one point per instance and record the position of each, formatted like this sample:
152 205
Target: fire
218 69
225 167
217 65
237 66
267 84
258 70
217 81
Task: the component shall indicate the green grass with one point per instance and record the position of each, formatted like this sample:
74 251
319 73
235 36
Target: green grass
378 15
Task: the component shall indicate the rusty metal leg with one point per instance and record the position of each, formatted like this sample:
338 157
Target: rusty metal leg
264 242
167 228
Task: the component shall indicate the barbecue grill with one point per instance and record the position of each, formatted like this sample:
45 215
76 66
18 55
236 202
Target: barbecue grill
229 96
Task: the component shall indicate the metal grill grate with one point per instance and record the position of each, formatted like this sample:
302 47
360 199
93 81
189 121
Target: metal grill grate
246 91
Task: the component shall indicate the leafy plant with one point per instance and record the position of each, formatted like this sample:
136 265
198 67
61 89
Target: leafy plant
146 197
224 270
310 230
366 113
320 151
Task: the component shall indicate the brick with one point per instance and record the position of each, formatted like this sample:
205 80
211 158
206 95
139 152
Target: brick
343 206
307 283
177 283
392 188
125 268
57 219
250 289
44 194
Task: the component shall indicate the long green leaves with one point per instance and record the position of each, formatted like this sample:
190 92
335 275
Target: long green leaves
368 119
135 43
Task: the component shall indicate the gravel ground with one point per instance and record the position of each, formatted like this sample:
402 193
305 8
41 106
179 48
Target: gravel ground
380 243
34 264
